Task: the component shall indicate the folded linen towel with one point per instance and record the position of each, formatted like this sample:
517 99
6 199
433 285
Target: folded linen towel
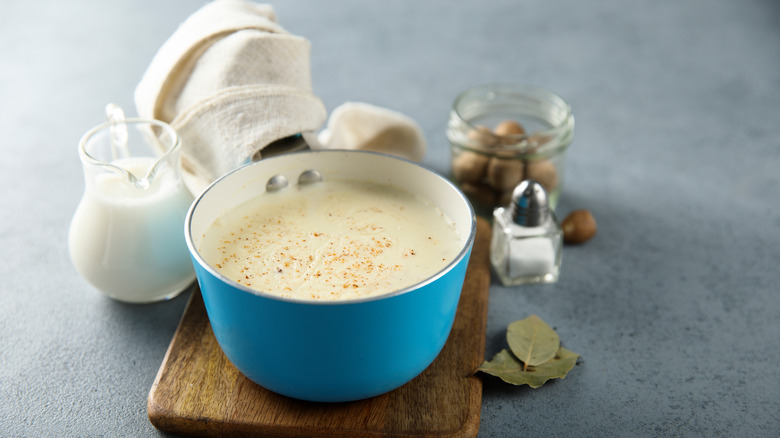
230 80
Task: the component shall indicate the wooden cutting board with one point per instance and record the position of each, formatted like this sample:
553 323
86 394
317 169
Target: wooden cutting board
198 392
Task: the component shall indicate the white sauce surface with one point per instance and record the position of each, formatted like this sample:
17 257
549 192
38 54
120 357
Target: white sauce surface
333 240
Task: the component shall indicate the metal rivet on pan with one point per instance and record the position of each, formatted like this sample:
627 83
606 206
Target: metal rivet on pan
276 182
309 177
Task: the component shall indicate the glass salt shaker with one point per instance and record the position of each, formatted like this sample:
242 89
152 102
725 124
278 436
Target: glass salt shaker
527 238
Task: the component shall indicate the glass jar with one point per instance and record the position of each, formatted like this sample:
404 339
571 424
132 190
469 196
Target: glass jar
502 134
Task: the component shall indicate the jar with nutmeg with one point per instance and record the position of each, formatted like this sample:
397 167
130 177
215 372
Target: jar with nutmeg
502 134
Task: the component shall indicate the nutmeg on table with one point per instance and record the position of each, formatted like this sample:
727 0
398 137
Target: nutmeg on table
579 226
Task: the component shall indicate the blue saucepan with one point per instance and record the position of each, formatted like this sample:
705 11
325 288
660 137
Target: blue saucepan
331 351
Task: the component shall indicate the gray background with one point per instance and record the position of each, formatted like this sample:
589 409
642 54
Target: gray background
673 306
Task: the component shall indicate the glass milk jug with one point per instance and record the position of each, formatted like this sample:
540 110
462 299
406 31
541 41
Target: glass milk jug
127 234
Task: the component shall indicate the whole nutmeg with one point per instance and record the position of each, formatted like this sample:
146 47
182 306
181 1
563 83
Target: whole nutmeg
509 127
469 166
482 136
543 172
508 131
503 173
481 194
578 227
504 197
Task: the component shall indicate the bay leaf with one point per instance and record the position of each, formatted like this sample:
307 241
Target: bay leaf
510 369
532 340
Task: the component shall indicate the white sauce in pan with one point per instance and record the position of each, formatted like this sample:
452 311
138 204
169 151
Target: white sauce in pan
333 240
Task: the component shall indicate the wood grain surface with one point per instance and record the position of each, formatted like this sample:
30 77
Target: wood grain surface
198 392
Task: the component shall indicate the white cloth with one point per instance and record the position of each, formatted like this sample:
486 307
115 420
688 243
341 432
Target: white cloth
230 81
362 126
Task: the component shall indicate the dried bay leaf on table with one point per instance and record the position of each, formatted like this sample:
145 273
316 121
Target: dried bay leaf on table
532 341
535 355
510 369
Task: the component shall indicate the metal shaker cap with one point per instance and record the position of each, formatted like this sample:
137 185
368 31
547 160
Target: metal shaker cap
529 205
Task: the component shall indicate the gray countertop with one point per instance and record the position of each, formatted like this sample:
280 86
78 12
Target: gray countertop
673 306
